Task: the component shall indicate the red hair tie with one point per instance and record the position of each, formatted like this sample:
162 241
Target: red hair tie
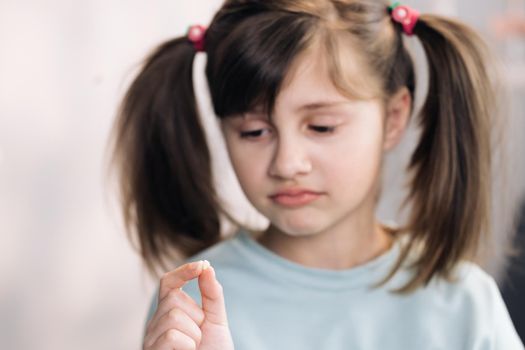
404 15
196 34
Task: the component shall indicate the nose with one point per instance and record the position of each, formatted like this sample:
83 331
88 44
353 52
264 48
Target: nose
290 160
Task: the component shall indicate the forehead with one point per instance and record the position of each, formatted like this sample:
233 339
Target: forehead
322 65
315 81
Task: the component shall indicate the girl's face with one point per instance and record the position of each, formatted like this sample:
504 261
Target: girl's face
316 164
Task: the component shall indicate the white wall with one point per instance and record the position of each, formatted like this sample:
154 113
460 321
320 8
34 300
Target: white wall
68 277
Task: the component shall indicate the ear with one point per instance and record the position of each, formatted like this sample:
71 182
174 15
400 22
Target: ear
398 110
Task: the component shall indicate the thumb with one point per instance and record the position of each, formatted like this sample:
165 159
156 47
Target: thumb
212 297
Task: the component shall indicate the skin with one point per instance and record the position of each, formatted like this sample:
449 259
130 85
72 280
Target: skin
179 323
316 139
299 148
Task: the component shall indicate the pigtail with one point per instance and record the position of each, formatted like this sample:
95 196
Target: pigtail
168 201
450 187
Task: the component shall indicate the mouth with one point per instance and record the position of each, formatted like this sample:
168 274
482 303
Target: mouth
294 197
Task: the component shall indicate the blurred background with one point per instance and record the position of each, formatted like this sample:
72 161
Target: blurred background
69 278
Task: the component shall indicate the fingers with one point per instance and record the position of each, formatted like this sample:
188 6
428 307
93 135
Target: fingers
177 299
180 276
178 320
173 339
212 298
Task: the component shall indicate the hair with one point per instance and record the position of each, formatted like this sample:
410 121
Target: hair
168 199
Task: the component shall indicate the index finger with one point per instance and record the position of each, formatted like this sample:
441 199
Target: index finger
180 276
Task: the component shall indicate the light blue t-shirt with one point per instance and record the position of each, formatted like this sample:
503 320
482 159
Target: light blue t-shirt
275 304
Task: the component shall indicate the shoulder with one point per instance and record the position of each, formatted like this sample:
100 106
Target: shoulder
468 307
467 284
469 293
472 281
469 288
479 291
473 296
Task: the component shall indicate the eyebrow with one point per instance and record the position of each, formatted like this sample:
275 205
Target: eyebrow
311 106
321 105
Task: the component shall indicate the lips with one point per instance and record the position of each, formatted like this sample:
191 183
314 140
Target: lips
294 197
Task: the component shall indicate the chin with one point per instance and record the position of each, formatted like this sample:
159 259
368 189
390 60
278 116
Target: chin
297 228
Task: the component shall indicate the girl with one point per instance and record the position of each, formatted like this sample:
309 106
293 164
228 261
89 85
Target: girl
310 95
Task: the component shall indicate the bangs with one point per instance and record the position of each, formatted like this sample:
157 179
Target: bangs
247 67
253 60
348 69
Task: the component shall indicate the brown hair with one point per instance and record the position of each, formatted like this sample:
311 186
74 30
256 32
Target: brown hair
168 198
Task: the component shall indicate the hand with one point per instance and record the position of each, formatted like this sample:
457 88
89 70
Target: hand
179 323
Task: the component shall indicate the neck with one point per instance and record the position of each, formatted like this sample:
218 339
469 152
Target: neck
340 247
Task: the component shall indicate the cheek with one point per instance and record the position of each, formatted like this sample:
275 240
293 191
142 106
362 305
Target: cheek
355 162
250 167
244 171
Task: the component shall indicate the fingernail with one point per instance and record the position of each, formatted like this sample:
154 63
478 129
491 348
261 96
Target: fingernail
205 264
196 265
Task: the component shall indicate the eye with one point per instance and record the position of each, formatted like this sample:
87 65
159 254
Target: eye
253 134
322 129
